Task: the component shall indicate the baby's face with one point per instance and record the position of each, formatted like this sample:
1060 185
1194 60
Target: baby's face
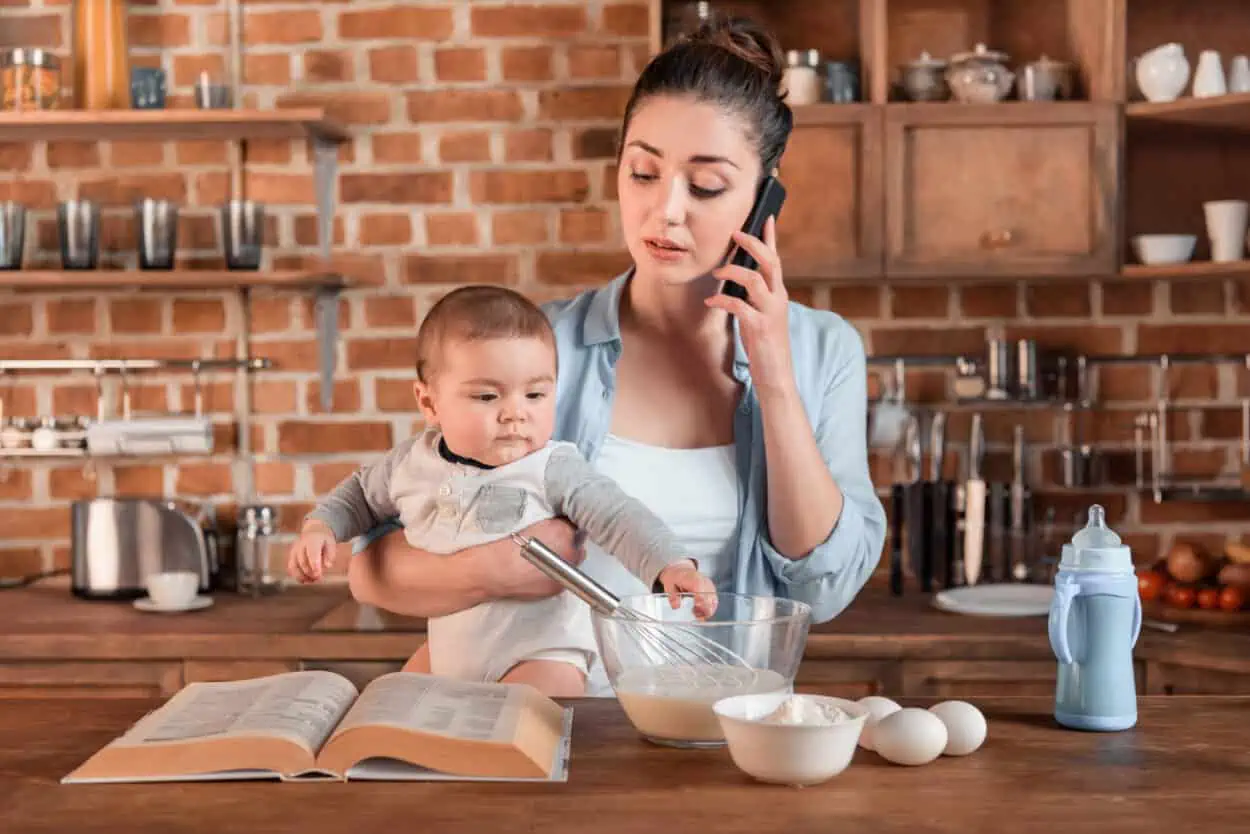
494 399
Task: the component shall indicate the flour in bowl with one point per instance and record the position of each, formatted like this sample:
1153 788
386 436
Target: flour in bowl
799 710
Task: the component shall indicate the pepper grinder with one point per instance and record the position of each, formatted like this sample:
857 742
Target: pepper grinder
256 526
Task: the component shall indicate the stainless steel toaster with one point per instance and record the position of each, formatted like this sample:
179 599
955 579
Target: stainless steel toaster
117 542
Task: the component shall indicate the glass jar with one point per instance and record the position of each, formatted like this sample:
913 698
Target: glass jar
30 79
802 80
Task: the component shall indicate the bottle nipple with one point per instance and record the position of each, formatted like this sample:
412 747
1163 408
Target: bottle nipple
1096 533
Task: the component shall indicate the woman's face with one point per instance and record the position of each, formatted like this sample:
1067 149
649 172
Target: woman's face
686 181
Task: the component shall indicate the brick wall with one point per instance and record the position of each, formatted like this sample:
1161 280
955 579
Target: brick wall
482 142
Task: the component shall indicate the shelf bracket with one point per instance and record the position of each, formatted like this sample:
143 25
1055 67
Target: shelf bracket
325 169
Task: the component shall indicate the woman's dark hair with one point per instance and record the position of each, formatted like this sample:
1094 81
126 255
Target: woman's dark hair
731 62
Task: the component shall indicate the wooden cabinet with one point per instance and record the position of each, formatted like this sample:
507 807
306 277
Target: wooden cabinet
848 679
96 679
831 223
1174 679
1013 189
977 678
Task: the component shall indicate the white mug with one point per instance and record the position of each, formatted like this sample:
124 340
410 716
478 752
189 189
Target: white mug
1226 227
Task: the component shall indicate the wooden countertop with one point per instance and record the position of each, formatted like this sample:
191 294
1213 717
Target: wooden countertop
1186 763
45 621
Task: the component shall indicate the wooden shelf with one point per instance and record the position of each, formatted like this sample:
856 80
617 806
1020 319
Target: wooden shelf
1228 112
159 125
104 279
1192 269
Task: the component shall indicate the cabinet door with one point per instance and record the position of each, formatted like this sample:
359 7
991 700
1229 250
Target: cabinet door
853 679
831 223
98 679
1171 679
978 678
1012 189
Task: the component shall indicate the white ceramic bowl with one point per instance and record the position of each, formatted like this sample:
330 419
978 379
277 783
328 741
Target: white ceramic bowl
1164 249
173 589
788 754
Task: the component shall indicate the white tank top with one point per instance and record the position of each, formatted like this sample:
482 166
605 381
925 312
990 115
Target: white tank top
694 491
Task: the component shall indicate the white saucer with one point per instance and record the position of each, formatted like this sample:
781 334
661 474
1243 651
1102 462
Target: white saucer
149 604
997 600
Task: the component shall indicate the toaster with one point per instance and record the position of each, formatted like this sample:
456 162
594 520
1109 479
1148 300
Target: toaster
117 542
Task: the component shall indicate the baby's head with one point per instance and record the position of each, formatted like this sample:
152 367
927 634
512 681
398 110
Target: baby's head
486 373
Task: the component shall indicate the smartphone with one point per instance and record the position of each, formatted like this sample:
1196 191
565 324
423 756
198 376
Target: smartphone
768 201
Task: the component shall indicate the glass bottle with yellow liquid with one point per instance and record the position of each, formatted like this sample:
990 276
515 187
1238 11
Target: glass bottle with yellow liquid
101 58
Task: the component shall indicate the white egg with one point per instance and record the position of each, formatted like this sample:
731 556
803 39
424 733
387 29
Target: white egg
878 707
965 726
911 736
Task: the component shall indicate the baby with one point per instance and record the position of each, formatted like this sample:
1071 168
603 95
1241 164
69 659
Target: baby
484 468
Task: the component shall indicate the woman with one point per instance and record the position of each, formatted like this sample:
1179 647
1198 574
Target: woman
740 422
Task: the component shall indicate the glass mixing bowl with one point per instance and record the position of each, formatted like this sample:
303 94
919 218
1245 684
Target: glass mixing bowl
667 668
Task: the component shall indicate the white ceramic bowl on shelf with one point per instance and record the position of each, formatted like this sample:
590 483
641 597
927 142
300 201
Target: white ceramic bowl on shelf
1155 250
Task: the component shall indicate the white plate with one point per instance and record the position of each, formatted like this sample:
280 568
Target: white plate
1002 600
148 604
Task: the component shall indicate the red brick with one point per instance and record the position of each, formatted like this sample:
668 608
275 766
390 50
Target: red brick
204 479
396 147
519 227
1089 339
927 340
68 154
76 399
17 319
20 561
139 480
583 102
314 437
135 315
382 354
390 311
580 267
35 523
526 63
16 156
326 476
296 355
595 143
460 269
533 145
130 188
1061 300
1193 382
464 146
1190 298
275 478
988 301
383 229
20 400
546 186
187 68
397 23
394 65
394 395
920 302
307 232
200 315
328 65
460 64
271 314
290 26
528 20
70 484
451 229
136 154
464 106
207 152
348 107
217 397
344 400
431 187
1127 298
856 302
629 19
164 29
273 70
15 485
273 396
594 61
583 225
33 30
33 193
1124 383
1195 512
1193 338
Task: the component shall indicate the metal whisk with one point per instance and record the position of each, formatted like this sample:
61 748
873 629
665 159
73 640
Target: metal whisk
692 649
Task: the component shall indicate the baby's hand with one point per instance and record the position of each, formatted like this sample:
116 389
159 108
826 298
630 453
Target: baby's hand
311 553
683 577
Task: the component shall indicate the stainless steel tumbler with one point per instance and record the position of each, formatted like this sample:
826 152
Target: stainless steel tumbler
243 233
78 223
157 222
12 234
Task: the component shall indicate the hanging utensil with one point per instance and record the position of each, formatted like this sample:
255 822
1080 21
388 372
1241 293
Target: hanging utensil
935 572
974 508
917 517
1021 510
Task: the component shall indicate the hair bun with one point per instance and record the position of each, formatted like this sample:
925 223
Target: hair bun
747 40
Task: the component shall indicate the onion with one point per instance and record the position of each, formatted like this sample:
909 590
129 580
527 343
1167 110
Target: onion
1186 564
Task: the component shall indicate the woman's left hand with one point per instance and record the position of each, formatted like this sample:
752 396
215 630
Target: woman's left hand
764 317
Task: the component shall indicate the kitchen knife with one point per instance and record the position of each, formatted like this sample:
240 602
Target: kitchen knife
936 570
898 513
974 504
1021 511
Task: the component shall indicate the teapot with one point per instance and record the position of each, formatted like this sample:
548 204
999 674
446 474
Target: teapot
980 76
1162 72
923 79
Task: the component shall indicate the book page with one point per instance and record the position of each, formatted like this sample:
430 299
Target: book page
474 711
303 707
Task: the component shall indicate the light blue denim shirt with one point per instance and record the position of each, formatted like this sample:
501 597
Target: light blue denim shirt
831 376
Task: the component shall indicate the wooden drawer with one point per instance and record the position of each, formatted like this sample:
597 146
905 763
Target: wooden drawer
1001 189
978 678
848 679
1171 679
233 670
104 679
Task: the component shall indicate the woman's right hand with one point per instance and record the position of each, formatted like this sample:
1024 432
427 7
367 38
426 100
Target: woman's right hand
505 573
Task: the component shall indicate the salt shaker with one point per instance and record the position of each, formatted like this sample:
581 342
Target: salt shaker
802 77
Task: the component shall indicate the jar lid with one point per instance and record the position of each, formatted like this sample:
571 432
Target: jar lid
29 56
926 61
980 53
803 57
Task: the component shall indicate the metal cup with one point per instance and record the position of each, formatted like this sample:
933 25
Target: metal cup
1028 382
210 95
157 221
243 233
1000 369
78 224
12 234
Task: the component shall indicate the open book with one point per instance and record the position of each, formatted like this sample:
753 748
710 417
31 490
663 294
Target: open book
315 725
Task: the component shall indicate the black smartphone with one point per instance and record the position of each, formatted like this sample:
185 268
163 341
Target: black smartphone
768 201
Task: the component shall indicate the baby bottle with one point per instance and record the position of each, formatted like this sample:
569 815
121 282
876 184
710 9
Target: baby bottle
1095 617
